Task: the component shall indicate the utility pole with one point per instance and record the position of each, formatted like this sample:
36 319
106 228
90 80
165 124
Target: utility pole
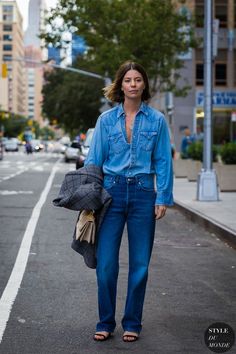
207 186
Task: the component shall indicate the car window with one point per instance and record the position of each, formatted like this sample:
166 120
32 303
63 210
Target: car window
75 145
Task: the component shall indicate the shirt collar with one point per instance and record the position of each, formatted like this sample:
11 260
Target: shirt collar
142 108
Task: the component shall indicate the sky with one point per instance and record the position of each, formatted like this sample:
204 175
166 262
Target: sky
23 6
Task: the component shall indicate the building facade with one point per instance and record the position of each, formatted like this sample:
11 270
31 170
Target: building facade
3 88
36 15
78 46
54 54
11 53
34 83
189 111
34 54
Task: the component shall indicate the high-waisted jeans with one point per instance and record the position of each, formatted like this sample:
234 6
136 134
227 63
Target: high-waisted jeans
133 202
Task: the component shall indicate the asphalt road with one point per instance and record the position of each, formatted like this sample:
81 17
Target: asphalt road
191 281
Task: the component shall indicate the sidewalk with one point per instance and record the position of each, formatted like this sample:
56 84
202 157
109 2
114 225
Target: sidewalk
220 217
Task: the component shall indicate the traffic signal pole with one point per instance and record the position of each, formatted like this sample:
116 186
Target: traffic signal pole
67 68
207 186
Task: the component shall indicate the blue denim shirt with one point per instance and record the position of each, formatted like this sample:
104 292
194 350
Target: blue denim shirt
149 151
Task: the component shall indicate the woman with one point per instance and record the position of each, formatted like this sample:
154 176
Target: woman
131 143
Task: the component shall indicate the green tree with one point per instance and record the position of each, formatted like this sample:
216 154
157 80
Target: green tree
72 99
47 133
12 124
151 32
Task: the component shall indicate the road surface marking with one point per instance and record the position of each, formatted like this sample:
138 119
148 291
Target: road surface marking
14 282
14 174
38 168
15 192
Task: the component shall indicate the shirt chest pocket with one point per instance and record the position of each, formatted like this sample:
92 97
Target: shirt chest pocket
116 143
147 140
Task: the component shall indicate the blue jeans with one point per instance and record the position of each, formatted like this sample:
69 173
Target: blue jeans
133 201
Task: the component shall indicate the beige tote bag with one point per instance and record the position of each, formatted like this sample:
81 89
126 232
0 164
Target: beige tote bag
86 227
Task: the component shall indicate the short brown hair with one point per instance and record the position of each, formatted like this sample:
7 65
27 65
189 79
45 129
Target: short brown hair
113 91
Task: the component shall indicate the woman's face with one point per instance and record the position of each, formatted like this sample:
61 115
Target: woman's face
133 85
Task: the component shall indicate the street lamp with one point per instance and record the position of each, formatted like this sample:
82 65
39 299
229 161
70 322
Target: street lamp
207 186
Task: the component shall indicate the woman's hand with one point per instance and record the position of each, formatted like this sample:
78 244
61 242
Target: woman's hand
160 211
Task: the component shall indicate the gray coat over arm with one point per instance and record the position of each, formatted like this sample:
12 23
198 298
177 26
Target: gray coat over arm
83 189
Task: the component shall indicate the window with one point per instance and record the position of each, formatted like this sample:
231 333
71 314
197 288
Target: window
7 17
7 8
220 68
220 74
7 57
199 74
7 28
221 12
221 127
7 47
199 13
7 37
75 145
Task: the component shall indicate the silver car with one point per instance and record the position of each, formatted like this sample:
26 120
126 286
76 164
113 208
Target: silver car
84 148
11 145
72 151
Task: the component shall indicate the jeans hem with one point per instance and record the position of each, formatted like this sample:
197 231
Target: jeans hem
129 329
105 329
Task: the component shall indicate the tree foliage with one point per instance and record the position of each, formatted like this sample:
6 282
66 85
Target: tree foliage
13 125
72 99
151 32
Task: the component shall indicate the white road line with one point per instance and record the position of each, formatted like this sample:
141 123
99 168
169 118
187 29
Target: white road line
14 282
13 175
14 192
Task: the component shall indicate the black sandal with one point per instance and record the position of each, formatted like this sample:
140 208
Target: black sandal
102 336
130 338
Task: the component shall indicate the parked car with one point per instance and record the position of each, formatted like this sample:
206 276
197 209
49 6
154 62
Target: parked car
4 139
11 145
57 146
84 149
72 151
17 141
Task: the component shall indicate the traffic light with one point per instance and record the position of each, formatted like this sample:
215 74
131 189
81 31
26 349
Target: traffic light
4 70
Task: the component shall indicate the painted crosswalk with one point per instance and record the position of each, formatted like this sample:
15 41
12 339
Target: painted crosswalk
11 167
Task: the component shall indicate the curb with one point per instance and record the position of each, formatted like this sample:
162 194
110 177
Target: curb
224 233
